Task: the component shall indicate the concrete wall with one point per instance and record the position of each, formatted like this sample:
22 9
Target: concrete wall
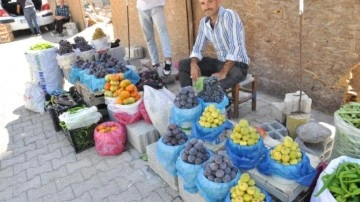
331 42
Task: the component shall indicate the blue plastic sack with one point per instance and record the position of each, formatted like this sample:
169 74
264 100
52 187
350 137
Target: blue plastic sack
188 172
301 173
185 117
132 75
87 80
267 196
82 73
167 155
245 157
222 105
74 75
210 135
212 191
97 84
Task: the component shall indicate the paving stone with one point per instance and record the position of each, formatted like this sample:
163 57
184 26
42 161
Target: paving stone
56 163
7 172
29 147
121 170
85 197
23 135
31 172
64 195
9 162
51 176
47 157
71 167
31 154
63 182
164 195
6 194
60 144
46 141
22 124
67 150
93 170
21 198
23 166
109 189
150 185
36 194
33 126
80 188
154 196
10 181
113 161
16 145
131 194
29 184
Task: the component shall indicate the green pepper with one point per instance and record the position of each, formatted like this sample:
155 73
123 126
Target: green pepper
328 181
335 190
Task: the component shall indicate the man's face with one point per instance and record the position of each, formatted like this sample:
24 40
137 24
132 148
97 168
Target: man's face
210 7
60 2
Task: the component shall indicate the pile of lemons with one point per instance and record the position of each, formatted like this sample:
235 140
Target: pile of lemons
244 134
211 117
287 152
246 190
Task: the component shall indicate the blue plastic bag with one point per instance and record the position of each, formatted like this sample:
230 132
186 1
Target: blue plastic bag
212 191
74 75
222 105
267 196
167 155
301 173
132 75
87 80
97 84
82 73
245 157
210 135
185 117
188 172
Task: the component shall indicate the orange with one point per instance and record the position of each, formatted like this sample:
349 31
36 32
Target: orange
107 86
130 88
124 94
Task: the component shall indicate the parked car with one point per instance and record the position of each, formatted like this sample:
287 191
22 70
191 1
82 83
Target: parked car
9 16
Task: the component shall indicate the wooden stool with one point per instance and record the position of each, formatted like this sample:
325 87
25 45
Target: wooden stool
235 92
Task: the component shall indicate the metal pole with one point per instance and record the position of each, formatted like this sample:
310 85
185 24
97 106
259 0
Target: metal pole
128 26
301 11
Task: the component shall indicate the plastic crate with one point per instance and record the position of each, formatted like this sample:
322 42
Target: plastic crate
81 138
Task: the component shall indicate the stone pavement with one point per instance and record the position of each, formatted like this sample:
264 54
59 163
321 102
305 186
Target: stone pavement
39 164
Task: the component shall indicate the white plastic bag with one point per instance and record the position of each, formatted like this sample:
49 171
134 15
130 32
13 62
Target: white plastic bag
326 196
34 98
158 104
101 44
65 61
86 55
82 118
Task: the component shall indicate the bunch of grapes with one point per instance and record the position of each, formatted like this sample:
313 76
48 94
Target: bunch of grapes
174 136
220 168
79 61
212 91
88 65
65 47
98 34
81 44
186 99
195 152
103 56
120 67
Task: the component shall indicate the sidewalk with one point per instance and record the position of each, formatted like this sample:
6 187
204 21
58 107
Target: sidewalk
39 164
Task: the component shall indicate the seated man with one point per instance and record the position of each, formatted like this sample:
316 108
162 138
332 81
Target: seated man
62 16
223 28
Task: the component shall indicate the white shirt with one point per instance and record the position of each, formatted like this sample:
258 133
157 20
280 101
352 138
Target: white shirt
148 4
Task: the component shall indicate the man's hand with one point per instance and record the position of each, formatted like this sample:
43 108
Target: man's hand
224 70
195 72
219 75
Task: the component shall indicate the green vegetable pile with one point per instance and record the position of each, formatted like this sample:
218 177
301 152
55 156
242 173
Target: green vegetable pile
41 46
344 183
350 113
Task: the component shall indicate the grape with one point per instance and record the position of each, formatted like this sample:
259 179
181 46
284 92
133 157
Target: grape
219 173
214 166
81 44
65 47
174 135
193 141
218 168
198 157
183 100
191 159
227 178
198 161
193 151
218 159
212 91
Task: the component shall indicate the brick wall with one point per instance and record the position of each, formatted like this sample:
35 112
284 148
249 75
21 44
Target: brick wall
331 42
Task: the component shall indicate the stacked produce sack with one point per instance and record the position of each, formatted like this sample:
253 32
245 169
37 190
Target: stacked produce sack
340 181
215 180
169 147
245 190
44 69
190 162
123 99
288 161
66 56
186 109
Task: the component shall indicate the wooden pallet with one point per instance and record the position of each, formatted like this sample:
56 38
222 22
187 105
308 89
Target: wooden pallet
6 37
90 98
5 28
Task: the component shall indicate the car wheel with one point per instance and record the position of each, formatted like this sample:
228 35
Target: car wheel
50 26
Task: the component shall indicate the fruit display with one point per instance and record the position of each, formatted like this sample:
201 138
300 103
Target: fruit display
212 92
174 136
41 46
79 62
287 152
117 86
65 47
195 152
244 134
220 168
211 117
82 44
246 190
186 99
98 34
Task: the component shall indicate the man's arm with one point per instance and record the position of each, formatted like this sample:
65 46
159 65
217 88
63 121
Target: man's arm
18 9
196 54
224 70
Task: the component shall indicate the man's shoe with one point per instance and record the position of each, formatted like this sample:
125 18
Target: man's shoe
167 69
38 34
